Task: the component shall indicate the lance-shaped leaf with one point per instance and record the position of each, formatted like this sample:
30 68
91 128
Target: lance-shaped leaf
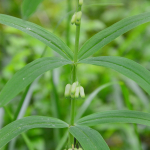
19 126
29 7
109 34
39 33
27 74
89 139
125 66
116 116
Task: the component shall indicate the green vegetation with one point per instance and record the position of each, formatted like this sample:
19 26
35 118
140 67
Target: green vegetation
54 109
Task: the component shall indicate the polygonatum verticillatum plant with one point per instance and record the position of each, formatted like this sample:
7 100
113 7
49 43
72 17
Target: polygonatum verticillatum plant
88 138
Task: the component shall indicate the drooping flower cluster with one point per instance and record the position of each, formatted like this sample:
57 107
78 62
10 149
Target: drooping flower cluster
77 15
74 91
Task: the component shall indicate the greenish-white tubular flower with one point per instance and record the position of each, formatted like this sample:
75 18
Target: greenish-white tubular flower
80 149
72 95
82 94
78 15
73 88
67 90
80 2
77 92
73 19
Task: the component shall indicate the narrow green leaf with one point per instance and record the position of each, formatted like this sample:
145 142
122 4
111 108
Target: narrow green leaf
39 33
125 66
109 34
27 74
116 116
29 7
17 127
89 139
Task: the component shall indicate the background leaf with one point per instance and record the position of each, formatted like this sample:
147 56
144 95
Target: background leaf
88 101
125 66
17 127
28 74
39 33
29 7
89 139
109 34
116 116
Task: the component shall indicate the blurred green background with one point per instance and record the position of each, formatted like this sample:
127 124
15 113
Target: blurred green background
46 95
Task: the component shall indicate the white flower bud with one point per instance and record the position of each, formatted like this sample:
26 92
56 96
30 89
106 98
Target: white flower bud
73 20
80 2
77 92
78 15
67 90
73 88
82 92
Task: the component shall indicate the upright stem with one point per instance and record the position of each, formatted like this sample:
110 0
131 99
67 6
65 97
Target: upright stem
76 43
77 36
73 99
74 74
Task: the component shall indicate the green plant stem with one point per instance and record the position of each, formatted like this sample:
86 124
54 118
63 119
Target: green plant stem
72 108
76 43
74 75
77 37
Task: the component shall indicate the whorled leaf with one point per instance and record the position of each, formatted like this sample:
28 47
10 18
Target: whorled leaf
28 74
19 126
116 116
125 66
109 34
39 33
89 138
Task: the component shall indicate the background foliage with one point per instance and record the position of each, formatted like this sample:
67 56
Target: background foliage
18 49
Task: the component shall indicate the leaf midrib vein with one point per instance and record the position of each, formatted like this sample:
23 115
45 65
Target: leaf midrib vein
116 117
87 136
120 66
